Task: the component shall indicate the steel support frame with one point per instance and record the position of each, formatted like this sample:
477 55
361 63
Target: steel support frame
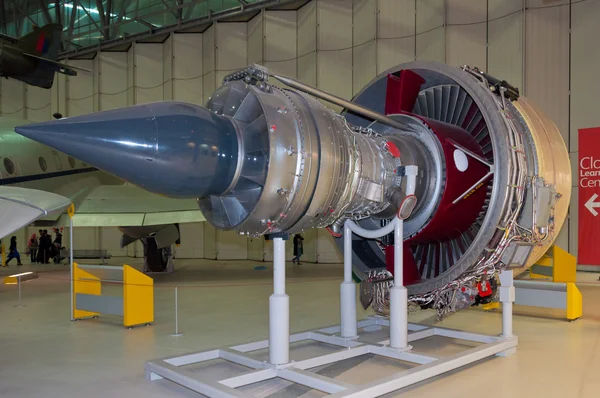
173 368
350 336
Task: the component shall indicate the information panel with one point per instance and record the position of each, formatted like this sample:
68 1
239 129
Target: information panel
589 197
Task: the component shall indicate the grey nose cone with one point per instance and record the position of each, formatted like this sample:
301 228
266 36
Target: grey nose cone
170 148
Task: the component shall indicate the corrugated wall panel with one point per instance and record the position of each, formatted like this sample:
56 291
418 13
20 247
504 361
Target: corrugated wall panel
547 72
364 39
231 246
210 241
81 89
307 43
192 240
188 68
505 32
255 39
395 33
113 82
39 104
231 49
430 30
334 47
280 44
466 33
585 64
13 98
148 72
167 61
110 239
131 76
256 248
327 250
309 253
58 92
209 61
547 62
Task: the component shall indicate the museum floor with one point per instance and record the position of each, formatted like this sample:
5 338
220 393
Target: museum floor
43 354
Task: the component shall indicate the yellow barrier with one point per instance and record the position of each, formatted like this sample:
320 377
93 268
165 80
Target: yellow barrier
574 302
560 266
138 293
84 283
557 264
136 306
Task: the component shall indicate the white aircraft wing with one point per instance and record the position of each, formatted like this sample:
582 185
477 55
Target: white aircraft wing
21 206
128 205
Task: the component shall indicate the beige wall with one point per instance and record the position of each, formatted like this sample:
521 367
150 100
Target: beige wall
339 45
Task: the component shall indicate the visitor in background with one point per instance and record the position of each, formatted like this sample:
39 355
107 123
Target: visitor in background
32 247
298 248
13 252
44 248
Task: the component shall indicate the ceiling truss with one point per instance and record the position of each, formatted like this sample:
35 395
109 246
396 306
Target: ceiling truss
95 25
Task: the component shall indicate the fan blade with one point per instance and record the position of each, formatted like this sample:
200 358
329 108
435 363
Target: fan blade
249 110
255 168
234 210
445 103
218 211
218 99
255 136
249 198
401 92
452 103
233 101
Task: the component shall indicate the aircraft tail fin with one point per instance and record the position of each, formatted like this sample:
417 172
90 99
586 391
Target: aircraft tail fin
42 44
43 41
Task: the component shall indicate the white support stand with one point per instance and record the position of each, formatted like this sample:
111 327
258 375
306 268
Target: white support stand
350 336
348 291
71 262
507 298
399 296
279 309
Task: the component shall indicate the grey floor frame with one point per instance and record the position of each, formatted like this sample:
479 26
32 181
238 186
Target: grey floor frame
297 372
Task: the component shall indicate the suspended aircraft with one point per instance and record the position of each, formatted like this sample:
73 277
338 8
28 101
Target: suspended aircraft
32 58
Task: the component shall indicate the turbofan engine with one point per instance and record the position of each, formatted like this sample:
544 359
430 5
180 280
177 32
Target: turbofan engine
492 188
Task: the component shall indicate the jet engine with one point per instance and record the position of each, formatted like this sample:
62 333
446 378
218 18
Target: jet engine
492 188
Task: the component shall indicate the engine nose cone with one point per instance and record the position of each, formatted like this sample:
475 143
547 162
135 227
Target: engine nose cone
169 148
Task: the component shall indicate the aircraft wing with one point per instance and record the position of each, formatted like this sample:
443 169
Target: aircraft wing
128 205
59 67
10 39
21 206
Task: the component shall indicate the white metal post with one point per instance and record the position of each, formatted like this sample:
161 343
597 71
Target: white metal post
71 260
507 297
177 334
348 290
279 309
398 295
19 287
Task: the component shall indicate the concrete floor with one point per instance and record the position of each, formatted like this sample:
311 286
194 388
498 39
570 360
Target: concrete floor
43 354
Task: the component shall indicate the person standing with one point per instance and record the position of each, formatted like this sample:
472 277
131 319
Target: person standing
298 248
44 247
32 246
13 252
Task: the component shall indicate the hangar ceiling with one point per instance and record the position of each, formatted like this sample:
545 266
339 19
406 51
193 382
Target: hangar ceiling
112 25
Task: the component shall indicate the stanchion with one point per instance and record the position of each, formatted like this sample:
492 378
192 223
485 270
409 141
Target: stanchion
19 285
71 213
176 334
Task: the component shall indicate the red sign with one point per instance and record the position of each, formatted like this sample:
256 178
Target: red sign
589 197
